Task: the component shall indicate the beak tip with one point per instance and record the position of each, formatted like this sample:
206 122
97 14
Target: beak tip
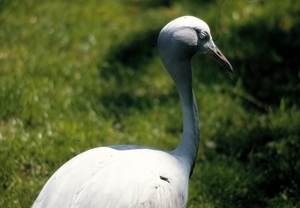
227 66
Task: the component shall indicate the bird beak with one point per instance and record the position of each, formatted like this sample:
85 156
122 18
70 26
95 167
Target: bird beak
220 58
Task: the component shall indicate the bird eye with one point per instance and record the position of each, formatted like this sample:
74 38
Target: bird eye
203 35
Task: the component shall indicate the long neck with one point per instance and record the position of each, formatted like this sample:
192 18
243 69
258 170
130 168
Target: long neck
188 147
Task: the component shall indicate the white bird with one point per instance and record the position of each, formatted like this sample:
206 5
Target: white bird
135 176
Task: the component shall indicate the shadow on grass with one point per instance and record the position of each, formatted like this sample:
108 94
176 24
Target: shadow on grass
268 62
126 66
269 157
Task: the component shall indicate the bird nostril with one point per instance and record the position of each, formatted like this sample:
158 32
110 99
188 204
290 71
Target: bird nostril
219 53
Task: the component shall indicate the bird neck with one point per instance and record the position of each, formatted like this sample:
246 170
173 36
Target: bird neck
188 146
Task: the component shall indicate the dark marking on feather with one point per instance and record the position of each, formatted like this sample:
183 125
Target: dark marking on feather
164 179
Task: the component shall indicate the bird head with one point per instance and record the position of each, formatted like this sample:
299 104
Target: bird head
183 37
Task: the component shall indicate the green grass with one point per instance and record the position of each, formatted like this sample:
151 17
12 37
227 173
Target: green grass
82 74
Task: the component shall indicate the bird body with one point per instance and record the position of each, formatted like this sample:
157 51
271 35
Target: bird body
138 177
135 176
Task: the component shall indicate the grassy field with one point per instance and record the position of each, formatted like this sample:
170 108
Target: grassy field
81 74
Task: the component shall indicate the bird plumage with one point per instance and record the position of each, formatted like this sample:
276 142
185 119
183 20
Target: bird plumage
135 176
112 177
